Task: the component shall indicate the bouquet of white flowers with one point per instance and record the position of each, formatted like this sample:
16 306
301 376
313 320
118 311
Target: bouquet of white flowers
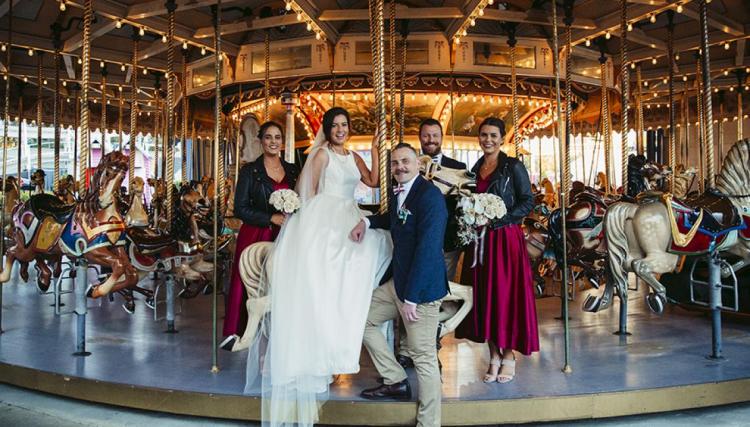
285 201
475 212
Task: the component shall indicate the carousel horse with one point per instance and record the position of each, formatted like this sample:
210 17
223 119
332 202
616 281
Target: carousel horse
648 237
587 248
12 194
158 203
92 228
550 196
66 190
37 180
255 262
136 215
683 181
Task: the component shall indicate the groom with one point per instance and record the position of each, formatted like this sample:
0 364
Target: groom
417 220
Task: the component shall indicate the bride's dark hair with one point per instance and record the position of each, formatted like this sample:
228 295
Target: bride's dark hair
328 120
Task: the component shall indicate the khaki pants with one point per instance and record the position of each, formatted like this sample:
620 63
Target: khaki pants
385 306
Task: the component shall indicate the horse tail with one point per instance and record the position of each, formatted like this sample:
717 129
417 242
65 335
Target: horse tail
617 244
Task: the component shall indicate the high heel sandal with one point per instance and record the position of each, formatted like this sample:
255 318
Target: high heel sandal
489 377
507 375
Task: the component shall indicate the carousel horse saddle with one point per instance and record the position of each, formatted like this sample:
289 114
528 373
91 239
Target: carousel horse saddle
48 205
149 243
719 214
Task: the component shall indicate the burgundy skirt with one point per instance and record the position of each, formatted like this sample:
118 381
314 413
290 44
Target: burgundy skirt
504 309
235 317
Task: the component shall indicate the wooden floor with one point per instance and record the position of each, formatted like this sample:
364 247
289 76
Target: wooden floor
662 366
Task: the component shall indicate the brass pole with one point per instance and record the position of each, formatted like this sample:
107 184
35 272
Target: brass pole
6 119
38 110
511 30
133 107
83 158
20 129
239 138
392 68
55 120
216 10
639 111
169 142
376 40
567 178
701 128
686 121
605 123
183 139
672 113
740 80
625 98
267 77
708 109
104 111
402 99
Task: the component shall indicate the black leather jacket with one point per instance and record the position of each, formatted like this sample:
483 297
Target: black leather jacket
510 181
254 187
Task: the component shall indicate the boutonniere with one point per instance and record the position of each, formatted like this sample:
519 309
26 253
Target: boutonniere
403 214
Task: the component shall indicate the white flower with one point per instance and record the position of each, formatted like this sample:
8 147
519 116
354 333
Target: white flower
288 207
285 201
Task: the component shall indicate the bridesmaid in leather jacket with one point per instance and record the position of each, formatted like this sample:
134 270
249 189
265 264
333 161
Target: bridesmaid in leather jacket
260 222
504 313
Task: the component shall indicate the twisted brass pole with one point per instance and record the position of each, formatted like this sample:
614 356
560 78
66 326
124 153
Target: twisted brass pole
639 111
120 103
672 112
392 68
625 98
183 139
83 159
376 39
740 80
20 133
55 121
708 110
171 7
38 110
267 77
514 91
701 129
133 107
6 119
605 124
686 120
402 100
104 110
567 178
217 137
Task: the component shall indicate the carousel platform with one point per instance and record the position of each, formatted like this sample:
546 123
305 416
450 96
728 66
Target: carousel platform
661 367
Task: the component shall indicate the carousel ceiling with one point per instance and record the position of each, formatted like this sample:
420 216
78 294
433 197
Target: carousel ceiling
595 26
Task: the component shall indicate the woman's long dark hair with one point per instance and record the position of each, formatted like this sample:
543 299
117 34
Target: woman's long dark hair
328 120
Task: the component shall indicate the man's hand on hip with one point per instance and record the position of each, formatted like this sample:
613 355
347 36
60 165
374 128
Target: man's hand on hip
409 312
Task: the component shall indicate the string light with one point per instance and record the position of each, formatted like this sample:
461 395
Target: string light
632 65
122 67
142 32
684 78
677 57
726 72
653 60
679 8
299 16
163 38
652 19
145 71
588 42
309 26
31 52
118 24
630 26
45 81
288 6
62 6
65 82
80 61
203 50
101 64
726 46
3 48
472 22
184 45
25 79
607 35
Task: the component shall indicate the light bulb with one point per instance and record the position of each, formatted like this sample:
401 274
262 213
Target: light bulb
65 82
645 83
299 16
25 79
142 32
118 24
653 61
62 6
309 26
184 45
472 22
122 67
684 78
588 42
679 8
101 64
68 100
45 81
145 71
203 50
726 72
726 46
652 19
632 65
490 2
164 38
607 35
630 26
119 88
317 36
677 57
31 52
80 61
457 40
665 80
480 12
288 5
3 48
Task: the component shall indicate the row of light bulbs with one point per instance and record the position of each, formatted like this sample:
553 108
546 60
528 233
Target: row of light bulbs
472 20
651 19
292 6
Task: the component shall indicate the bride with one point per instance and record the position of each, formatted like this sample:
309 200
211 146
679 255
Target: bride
320 282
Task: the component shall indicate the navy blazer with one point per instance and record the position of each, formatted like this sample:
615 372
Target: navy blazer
451 163
418 265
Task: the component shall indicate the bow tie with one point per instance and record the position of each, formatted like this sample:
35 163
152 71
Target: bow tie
436 160
398 189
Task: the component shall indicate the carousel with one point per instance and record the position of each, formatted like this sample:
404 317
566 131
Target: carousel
125 126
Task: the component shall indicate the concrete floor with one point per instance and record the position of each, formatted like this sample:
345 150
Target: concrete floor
20 407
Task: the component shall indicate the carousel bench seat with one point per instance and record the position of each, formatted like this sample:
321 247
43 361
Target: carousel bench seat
48 205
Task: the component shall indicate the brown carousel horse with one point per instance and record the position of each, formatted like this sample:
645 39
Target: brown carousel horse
92 228
66 190
648 237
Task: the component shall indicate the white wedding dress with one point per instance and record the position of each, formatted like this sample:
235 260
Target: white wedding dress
320 283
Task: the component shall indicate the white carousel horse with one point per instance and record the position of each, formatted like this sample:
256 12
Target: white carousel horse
648 238
254 264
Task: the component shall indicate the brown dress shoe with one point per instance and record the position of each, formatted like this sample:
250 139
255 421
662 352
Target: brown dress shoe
398 391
